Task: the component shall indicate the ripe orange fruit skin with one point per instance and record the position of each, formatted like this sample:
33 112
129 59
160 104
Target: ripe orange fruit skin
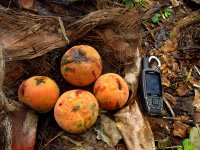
76 111
81 65
111 91
39 93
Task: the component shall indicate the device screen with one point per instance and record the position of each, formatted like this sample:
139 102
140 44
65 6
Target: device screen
153 84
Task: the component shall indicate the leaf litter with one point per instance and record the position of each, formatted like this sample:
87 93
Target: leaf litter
175 40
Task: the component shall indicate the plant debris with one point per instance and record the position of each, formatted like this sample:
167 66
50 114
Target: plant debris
34 34
180 129
107 131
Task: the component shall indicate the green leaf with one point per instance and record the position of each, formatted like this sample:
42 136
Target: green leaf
179 148
171 34
156 18
168 12
187 145
129 3
138 1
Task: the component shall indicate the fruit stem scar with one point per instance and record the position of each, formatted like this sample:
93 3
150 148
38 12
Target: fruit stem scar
39 80
76 108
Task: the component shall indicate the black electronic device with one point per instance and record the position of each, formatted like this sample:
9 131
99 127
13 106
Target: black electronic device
150 89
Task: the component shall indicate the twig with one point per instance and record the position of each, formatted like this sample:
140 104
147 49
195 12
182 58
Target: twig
172 147
197 69
63 29
193 17
91 143
1 65
55 137
169 106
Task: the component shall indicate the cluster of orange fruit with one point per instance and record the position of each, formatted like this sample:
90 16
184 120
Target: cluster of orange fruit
76 110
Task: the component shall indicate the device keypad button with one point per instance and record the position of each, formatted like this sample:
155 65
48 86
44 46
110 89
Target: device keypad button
155 101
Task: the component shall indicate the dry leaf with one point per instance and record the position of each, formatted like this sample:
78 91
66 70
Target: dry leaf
108 132
157 126
175 3
163 66
135 129
86 140
165 81
182 89
26 4
196 101
180 129
170 98
195 82
197 117
169 46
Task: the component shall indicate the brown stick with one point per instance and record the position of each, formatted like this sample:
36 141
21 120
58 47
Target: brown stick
26 36
193 17
55 137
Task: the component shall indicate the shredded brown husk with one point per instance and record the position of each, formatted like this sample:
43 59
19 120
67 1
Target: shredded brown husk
104 29
100 29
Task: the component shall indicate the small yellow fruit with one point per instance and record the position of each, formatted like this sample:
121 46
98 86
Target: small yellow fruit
111 91
81 65
39 93
76 111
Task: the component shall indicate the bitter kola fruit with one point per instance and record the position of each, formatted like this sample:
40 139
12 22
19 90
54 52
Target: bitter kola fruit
111 91
76 111
81 65
39 93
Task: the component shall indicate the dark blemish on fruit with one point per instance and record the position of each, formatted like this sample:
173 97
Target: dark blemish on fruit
68 69
78 92
39 80
23 88
60 104
119 84
92 107
66 60
117 105
79 56
76 108
93 73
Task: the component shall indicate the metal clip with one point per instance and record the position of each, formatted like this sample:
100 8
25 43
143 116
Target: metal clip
158 61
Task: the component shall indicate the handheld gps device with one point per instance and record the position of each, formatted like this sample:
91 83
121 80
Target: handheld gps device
150 90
